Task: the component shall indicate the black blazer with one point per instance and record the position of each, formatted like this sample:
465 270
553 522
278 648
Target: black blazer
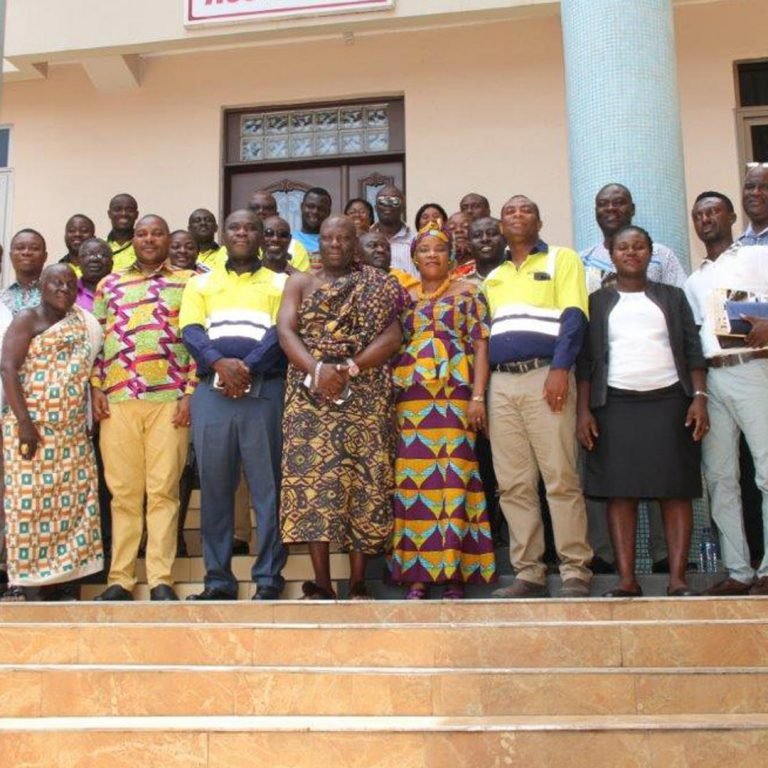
592 362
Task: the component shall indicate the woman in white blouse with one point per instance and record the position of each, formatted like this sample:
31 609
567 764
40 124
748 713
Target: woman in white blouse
642 408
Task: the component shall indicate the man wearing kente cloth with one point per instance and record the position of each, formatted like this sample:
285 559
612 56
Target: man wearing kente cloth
338 326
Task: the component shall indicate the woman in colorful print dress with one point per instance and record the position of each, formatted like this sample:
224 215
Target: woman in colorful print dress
442 532
51 493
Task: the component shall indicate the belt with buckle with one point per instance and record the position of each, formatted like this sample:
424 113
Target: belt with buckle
738 358
522 366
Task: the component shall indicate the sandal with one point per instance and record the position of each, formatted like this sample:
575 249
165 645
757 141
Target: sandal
358 591
454 591
313 591
416 593
13 595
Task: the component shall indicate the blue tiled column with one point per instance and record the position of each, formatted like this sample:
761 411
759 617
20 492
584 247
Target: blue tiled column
623 114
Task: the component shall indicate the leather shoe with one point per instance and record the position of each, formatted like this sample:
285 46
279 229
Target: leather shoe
520 588
574 587
115 592
267 593
760 587
212 593
162 592
728 587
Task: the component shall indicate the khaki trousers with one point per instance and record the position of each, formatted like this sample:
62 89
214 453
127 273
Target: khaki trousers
527 439
143 454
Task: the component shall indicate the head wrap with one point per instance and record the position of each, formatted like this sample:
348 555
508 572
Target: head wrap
430 230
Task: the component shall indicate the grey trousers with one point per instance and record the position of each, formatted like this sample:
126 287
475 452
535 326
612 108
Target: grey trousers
229 434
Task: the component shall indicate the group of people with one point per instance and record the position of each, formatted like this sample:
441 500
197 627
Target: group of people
374 387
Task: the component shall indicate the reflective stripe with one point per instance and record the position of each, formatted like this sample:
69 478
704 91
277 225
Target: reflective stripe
243 330
552 260
526 324
514 310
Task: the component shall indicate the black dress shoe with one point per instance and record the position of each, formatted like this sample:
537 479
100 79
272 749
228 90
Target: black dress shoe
240 547
115 592
162 592
267 593
212 593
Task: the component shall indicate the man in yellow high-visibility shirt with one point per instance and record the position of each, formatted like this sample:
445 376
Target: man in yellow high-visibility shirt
203 227
123 211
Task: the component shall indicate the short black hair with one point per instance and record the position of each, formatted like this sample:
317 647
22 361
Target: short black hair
82 216
720 196
631 228
30 231
615 184
103 244
319 191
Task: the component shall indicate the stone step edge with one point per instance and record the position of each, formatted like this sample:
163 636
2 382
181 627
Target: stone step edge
205 669
383 626
387 724
384 671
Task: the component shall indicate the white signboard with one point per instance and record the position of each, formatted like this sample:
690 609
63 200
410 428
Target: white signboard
206 11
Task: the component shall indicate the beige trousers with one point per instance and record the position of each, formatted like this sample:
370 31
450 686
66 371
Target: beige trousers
143 453
527 439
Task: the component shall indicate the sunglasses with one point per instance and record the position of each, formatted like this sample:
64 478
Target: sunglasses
390 202
277 233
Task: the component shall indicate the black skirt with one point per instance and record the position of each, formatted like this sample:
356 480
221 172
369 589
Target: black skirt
644 450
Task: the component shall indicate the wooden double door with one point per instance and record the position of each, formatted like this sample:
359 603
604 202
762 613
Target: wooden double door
359 178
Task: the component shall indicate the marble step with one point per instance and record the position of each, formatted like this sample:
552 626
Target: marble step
297 568
245 590
190 571
389 611
481 645
122 690
703 741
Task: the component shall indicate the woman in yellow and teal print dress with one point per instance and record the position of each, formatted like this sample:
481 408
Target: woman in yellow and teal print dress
442 533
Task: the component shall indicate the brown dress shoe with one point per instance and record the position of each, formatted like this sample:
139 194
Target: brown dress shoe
760 587
728 587
520 588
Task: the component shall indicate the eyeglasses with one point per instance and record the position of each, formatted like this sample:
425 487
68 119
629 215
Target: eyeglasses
390 201
277 233
752 166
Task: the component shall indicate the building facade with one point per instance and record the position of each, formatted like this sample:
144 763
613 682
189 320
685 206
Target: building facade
442 96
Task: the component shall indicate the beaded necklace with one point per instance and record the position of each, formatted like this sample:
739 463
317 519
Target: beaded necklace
436 294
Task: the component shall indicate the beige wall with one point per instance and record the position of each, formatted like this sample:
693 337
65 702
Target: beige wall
484 111
710 38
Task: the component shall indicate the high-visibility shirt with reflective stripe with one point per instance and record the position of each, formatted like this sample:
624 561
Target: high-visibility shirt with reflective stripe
235 311
538 309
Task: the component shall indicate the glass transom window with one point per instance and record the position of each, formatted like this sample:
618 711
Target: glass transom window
314 133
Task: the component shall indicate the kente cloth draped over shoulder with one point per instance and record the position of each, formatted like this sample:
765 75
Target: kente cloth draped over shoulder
442 531
337 459
51 501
